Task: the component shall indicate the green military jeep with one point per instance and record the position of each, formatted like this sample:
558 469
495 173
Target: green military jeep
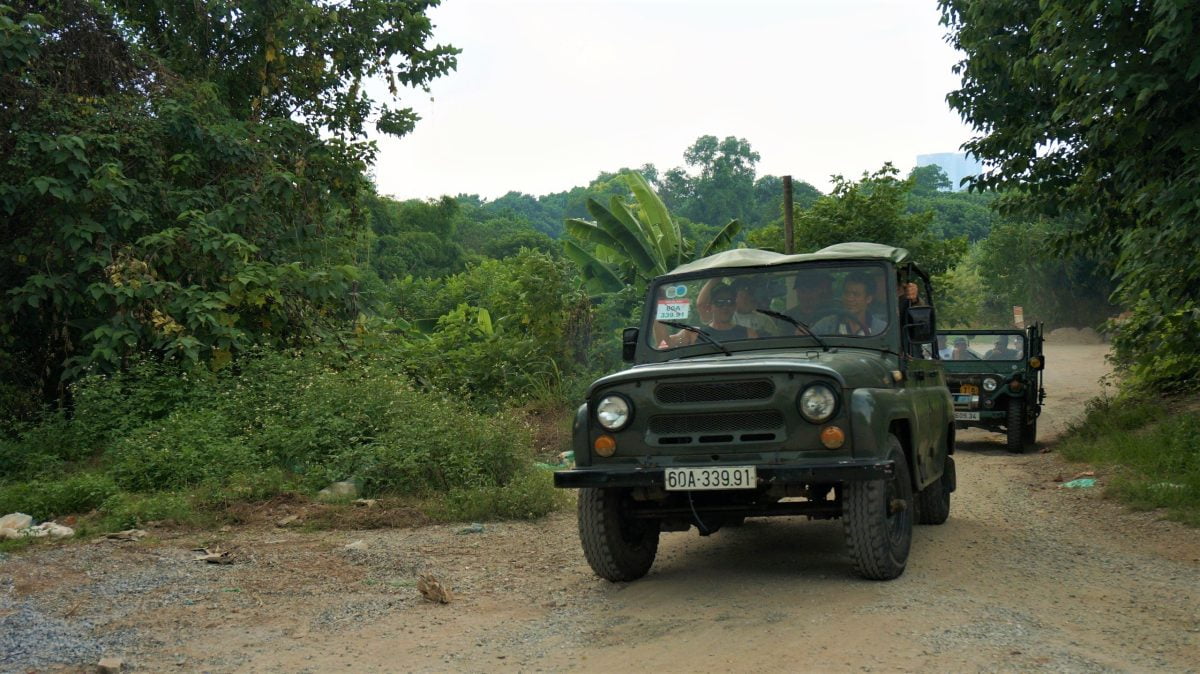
767 384
995 377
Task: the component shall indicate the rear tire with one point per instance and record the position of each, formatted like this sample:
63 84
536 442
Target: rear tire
877 518
1015 426
617 547
933 502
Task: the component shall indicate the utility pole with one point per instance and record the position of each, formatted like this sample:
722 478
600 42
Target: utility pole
789 245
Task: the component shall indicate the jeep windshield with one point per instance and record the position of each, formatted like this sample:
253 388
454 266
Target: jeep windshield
981 346
734 306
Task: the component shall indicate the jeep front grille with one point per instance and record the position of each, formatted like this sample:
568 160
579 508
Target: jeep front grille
706 392
722 422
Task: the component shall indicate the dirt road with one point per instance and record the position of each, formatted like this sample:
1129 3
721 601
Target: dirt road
1024 576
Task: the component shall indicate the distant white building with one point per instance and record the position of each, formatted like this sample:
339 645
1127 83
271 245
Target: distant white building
955 164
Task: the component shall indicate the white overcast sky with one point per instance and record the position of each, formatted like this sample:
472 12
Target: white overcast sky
548 93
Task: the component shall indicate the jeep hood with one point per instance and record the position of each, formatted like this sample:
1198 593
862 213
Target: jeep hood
851 368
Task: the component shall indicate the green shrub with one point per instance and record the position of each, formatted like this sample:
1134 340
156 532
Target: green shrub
245 488
46 500
126 511
188 448
530 495
1105 415
267 425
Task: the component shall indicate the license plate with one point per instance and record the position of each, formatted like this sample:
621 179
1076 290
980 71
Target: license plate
966 416
969 388
717 477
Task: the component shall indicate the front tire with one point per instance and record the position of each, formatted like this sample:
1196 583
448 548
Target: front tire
1015 426
1029 433
617 547
877 518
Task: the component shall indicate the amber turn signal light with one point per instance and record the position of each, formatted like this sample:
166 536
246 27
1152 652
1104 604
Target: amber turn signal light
605 445
832 437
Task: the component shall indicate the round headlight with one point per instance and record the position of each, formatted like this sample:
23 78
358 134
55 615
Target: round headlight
989 384
818 403
613 412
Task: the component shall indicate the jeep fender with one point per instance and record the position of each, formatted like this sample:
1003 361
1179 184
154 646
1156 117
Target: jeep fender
872 415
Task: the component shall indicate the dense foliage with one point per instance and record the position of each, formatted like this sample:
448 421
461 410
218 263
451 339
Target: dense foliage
1087 111
154 202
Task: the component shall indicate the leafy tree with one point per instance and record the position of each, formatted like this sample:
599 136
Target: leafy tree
299 59
632 243
872 209
929 180
1088 110
768 200
954 213
723 185
414 237
1017 268
140 214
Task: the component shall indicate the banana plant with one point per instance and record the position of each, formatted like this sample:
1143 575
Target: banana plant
629 244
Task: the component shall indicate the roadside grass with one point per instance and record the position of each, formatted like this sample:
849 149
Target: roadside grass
149 446
1151 448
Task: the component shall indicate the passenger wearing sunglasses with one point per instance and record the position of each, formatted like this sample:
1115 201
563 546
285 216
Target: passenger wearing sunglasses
722 303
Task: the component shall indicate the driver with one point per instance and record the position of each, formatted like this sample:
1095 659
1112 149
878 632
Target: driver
1001 350
855 318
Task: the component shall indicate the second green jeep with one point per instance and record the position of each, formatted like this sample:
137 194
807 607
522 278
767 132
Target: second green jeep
995 378
765 385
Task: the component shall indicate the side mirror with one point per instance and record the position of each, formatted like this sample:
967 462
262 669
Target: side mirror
629 342
918 322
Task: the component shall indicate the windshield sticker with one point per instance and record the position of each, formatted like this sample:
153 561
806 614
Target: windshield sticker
675 291
673 310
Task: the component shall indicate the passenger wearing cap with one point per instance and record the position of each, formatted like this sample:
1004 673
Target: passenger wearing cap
961 350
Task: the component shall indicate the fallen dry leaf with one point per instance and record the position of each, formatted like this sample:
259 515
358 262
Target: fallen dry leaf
433 590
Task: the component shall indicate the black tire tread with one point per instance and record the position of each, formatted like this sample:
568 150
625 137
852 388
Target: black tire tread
1014 426
609 555
933 502
866 533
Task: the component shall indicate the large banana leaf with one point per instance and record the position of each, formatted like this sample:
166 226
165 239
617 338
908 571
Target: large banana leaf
591 233
650 237
598 276
658 217
722 239
634 246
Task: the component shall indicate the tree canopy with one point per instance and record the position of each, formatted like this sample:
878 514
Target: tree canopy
160 196
1088 110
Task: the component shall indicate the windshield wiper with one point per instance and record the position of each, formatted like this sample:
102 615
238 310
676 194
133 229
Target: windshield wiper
798 324
704 335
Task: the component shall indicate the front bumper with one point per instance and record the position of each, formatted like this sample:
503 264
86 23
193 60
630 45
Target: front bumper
850 470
